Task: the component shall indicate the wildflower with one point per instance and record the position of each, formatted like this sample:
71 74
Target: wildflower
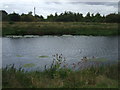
85 59
74 65
93 57
79 63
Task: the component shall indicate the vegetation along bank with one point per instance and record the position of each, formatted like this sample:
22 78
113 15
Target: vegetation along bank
59 28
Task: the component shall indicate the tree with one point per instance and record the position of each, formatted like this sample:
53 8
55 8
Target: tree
87 17
14 17
66 16
30 13
113 18
97 18
78 17
50 17
56 15
27 17
39 18
4 15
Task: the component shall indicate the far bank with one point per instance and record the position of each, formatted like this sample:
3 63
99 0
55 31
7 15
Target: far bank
59 28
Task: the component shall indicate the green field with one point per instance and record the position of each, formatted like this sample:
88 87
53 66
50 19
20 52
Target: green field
59 28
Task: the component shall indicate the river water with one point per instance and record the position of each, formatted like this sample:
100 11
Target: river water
39 50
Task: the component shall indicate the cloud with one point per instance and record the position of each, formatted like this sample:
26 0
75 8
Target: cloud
53 2
47 7
29 1
115 4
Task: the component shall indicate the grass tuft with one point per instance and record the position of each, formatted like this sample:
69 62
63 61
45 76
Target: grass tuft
58 76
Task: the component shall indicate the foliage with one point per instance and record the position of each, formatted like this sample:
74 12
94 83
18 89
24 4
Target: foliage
14 17
67 16
93 77
59 28
43 56
58 76
4 15
113 18
57 67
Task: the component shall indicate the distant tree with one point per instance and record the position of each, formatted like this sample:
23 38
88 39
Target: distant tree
14 17
66 16
30 18
27 17
4 15
78 17
30 13
56 15
87 17
97 18
113 18
50 17
39 18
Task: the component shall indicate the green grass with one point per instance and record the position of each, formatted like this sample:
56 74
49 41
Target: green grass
101 77
59 28
56 76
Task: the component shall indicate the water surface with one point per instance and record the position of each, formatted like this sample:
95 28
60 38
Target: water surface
39 50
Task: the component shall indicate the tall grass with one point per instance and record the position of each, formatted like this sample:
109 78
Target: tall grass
58 76
59 28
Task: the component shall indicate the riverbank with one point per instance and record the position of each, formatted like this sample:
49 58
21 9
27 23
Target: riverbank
94 77
59 28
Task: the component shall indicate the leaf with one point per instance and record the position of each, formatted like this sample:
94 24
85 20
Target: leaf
29 65
19 56
43 56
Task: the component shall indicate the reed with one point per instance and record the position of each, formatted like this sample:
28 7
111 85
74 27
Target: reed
58 76
59 28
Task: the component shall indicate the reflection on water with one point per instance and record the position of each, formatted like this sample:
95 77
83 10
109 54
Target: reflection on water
39 50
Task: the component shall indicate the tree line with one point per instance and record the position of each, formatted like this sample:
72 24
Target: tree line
67 16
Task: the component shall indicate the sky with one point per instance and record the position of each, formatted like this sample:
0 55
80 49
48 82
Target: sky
47 7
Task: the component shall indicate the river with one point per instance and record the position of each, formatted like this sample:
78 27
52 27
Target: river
39 50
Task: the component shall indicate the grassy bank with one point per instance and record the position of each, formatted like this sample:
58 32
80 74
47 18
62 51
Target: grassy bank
57 75
59 28
99 77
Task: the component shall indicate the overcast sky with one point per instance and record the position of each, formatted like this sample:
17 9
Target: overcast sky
46 7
